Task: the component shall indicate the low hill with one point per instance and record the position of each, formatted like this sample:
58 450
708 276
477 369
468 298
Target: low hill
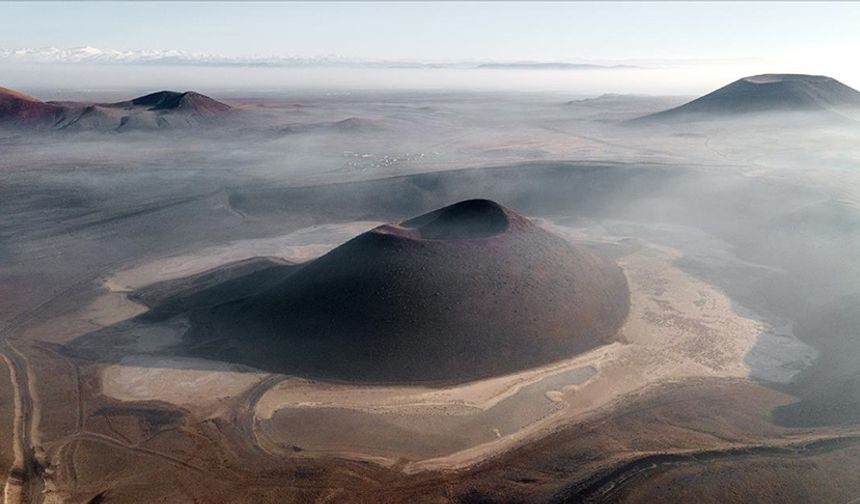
468 291
21 109
164 109
188 101
348 125
769 93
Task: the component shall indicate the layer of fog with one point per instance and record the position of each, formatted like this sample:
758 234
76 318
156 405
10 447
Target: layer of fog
300 138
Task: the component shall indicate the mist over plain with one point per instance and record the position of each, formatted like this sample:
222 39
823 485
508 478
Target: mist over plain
738 235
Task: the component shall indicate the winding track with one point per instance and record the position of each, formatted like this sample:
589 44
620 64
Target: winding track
248 410
602 485
24 483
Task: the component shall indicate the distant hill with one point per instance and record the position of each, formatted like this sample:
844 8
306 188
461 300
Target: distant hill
467 291
19 108
348 125
164 109
769 93
188 101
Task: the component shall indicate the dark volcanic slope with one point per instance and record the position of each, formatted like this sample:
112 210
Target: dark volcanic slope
768 93
188 101
468 291
164 109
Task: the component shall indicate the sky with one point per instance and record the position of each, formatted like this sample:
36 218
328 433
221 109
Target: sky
814 37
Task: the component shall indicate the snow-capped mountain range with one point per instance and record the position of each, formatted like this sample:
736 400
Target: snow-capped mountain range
94 55
154 56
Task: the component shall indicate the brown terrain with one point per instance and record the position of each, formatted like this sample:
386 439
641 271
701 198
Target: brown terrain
19 108
674 322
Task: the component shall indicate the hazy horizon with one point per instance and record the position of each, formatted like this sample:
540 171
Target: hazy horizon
429 252
287 46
